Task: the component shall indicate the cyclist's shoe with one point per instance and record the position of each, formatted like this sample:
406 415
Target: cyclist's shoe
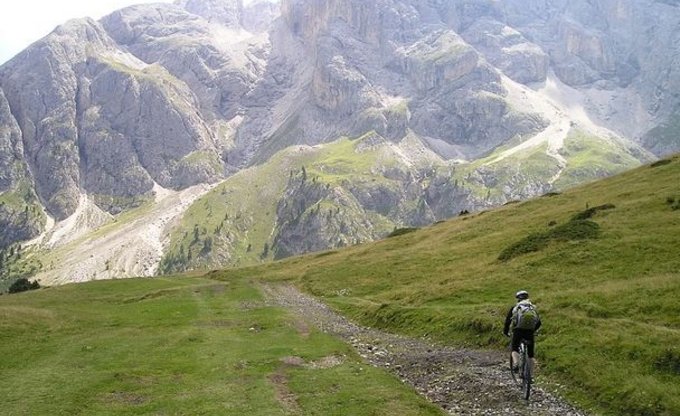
515 368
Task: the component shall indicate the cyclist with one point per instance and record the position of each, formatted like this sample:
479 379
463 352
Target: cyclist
525 321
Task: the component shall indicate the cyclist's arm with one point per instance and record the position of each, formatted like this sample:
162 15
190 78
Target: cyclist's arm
508 320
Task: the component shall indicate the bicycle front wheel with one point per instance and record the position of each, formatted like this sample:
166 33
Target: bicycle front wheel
526 378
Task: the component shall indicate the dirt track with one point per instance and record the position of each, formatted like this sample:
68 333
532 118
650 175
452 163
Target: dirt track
463 382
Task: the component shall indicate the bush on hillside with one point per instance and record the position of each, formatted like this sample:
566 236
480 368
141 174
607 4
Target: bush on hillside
22 285
660 163
401 231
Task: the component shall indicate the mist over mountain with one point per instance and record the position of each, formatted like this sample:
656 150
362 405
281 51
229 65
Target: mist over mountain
450 105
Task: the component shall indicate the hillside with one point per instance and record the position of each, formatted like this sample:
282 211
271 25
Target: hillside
600 261
355 190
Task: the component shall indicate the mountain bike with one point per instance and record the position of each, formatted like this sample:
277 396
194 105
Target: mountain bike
523 377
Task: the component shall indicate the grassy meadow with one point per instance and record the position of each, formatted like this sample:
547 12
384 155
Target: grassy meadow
602 262
179 346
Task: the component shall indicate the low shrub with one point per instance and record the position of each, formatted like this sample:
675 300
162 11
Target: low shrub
401 231
660 163
22 285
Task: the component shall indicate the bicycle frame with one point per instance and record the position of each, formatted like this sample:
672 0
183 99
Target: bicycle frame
524 377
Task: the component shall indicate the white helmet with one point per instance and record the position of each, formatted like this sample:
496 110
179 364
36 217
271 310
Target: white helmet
522 295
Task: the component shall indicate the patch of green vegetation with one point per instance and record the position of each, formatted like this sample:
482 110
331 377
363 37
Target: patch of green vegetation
23 285
203 158
399 109
488 178
235 230
115 204
609 304
446 48
17 262
179 346
239 217
591 157
342 161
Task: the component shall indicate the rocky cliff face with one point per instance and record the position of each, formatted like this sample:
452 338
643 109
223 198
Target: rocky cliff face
11 148
505 97
20 214
613 47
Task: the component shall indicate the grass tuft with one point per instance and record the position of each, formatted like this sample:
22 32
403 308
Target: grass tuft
669 362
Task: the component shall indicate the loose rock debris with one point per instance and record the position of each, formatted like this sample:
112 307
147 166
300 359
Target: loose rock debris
461 381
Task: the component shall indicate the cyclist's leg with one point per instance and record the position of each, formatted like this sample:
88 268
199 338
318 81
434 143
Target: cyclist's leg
516 339
529 336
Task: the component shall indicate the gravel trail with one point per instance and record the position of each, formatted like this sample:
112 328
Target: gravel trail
462 382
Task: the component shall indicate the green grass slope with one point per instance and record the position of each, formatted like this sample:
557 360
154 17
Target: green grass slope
602 263
360 189
237 223
179 346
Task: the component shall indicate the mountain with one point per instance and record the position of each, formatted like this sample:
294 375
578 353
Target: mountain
464 105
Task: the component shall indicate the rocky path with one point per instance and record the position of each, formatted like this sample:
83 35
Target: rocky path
462 382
